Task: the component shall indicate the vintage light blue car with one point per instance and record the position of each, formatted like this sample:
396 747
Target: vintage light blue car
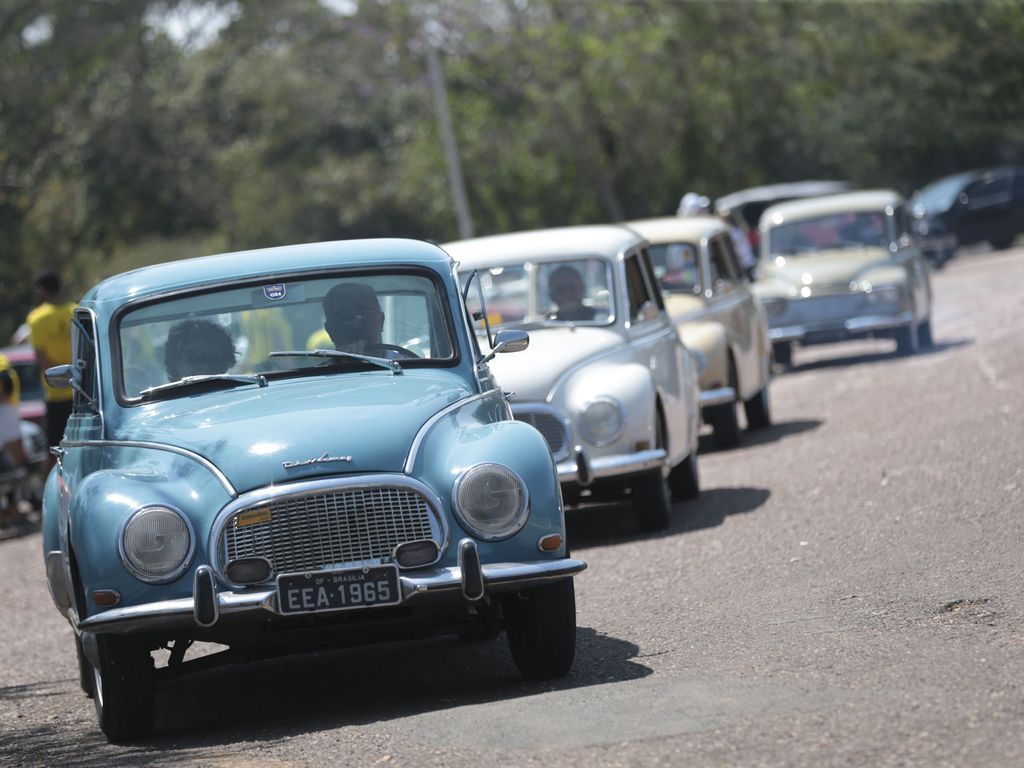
288 449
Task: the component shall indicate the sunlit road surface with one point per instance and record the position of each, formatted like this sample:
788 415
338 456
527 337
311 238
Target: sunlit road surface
849 591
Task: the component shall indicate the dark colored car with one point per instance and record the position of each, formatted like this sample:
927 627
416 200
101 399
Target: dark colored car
744 208
986 204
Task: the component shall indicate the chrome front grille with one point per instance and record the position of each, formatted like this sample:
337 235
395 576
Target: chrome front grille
830 307
550 424
332 527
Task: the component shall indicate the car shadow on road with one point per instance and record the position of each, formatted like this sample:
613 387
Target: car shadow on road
598 525
764 436
271 700
861 358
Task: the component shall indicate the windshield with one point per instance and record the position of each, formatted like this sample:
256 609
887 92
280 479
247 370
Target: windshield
676 267
852 229
573 291
939 195
233 331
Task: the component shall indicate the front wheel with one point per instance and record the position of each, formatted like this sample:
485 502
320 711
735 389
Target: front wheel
782 351
725 423
84 669
684 479
906 340
651 501
123 688
924 334
541 628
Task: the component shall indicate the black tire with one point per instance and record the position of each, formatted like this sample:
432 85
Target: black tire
758 410
906 340
725 422
684 479
1003 240
124 688
652 501
84 669
783 353
924 335
541 628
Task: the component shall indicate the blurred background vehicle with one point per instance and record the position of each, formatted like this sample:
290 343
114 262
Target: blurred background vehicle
985 204
744 208
28 486
23 360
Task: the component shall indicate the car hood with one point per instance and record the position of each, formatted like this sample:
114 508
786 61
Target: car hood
252 433
532 372
827 270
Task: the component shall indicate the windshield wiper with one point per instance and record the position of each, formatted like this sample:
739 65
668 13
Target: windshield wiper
391 365
221 380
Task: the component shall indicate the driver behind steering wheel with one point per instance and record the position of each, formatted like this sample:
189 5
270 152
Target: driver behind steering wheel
354 321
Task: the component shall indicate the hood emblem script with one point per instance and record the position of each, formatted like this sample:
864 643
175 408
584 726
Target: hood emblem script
325 459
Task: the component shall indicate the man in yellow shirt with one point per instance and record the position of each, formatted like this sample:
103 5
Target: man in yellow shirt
50 333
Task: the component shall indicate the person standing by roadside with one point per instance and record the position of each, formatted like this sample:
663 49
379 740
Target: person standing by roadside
50 334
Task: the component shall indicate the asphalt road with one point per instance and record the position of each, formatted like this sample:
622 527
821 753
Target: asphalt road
846 592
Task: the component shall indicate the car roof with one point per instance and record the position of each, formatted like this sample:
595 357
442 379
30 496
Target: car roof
972 174
269 263
603 240
787 191
673 229
867 200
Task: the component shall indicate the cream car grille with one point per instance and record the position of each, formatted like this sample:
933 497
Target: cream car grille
835 307
550 425
316 531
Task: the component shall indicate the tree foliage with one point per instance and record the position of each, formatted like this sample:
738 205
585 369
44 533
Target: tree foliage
122 142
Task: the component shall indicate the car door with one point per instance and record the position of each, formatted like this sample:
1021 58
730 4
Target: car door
988 208
655 344
730 303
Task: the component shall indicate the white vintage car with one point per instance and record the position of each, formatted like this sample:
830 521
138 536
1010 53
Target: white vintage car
605 379
709 299
842 267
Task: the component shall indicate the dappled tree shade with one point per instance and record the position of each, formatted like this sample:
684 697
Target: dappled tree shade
122 144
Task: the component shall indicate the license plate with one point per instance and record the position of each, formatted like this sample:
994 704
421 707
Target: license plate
338 590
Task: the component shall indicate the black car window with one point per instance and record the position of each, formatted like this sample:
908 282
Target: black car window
992 190
641 305
83 352
723 274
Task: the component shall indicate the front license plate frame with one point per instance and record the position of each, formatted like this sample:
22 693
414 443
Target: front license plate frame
344 589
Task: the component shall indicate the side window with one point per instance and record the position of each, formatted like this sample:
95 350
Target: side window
991 191
641 305
83 356
652 281
721 258
904 229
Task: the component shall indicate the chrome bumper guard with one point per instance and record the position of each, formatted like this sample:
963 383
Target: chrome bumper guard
260 604
852 325
719 396
612 466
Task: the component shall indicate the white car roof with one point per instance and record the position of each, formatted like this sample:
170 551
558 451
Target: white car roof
601 240
868 200
677 229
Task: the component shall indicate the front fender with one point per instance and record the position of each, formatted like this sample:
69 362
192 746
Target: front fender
712 340
628 383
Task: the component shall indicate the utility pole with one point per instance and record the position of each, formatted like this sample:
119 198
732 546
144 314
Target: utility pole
451 151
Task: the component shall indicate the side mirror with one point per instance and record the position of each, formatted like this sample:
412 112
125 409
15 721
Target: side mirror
508 340
60 376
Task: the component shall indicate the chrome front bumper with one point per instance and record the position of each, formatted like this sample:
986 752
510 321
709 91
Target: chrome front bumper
848 327
582 469
260 604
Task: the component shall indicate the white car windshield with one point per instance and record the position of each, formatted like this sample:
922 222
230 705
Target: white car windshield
853 229
232 331
576 291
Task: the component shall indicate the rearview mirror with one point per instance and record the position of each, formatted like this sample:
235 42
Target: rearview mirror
508 340
60 376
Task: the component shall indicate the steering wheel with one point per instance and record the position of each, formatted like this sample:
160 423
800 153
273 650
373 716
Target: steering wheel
391 348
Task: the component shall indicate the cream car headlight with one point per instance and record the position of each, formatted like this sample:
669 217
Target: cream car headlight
884 294
157 544
491 501
602 421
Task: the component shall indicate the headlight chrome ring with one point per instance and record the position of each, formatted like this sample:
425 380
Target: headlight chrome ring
156 543
602 421
491 501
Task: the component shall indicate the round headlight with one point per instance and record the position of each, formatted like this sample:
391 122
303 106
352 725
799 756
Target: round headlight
157 544
491 501
602 421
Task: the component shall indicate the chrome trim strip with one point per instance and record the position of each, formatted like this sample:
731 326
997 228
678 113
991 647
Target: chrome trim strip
201 572
430 423
322 485
262 604
209 465
861 324
718 396
611 466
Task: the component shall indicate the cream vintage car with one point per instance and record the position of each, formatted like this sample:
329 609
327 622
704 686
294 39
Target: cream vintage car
843 267
709 299
605 379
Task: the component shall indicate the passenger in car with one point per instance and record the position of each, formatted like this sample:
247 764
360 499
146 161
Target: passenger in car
566 289
197 347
